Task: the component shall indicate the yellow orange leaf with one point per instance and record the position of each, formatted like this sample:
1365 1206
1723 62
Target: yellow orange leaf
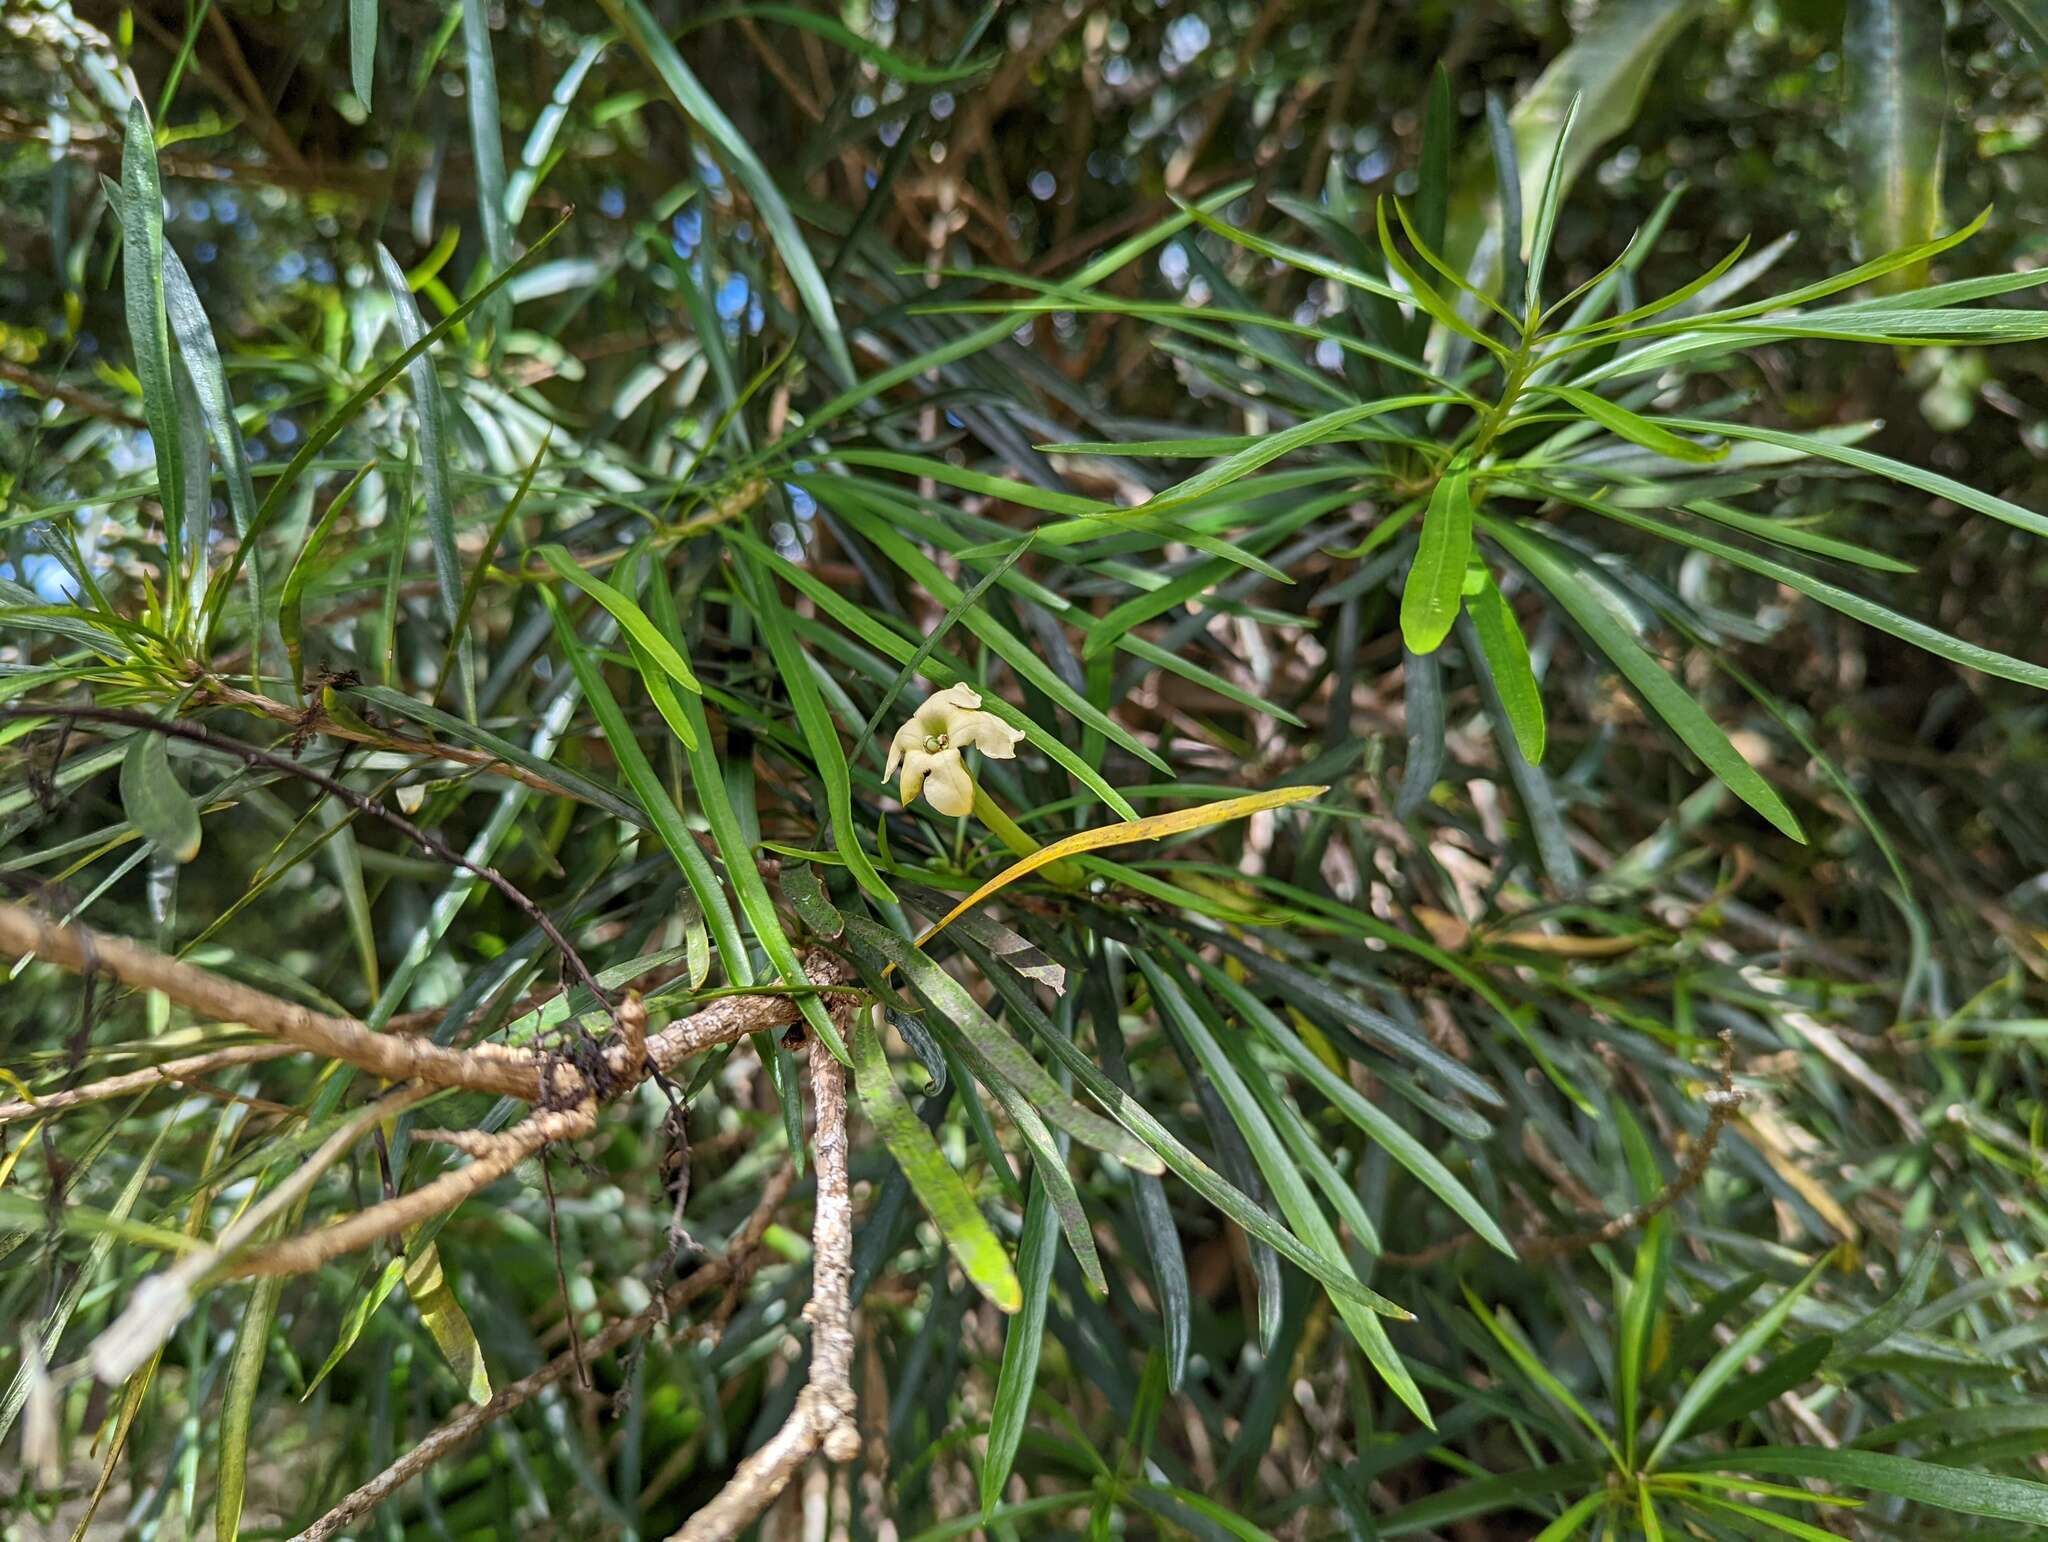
1152 828
28 1140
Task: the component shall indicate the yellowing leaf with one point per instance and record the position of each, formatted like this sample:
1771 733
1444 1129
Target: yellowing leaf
28 1140
1152 828
445 1319
1769 1135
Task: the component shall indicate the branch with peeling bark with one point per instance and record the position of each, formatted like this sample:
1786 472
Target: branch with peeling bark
823 1421
566 1100
566 1095
729 1271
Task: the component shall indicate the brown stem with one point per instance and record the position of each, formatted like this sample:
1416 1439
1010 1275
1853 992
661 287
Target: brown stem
309 1250
484 1068
56 390
823 1419
471 1422
311 719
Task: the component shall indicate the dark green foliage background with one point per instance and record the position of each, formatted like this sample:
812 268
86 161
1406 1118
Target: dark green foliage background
1865 1230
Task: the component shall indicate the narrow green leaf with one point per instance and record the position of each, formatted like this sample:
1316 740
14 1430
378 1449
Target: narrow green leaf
1530 1364
1728 1361
1022 1341
807 897
1483 1496
1379 1126
1780 532
658 808
1820 445
633 19
863 626
290 618
1296 1200
1573 1520
1424 294
1507 185
794 666
1770 1520
1547 205
1987 660
142 243
1947 1488
951 1000
1895 115
362 48
485 130
535 157
1552 568
155 802
932 1179
1436 581
707 775
1505 656
323 433
238 1405
189 325
1433 190
1632 426
588 789
1876 1329
361 1309
1020 656
1638 1324
434 465
345 857
1756 1389
629 615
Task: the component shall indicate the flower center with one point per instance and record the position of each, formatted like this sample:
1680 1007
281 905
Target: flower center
933 743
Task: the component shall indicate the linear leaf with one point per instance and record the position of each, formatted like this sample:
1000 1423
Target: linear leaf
932 1179
1895 117
1667 698
434 465
155 802
142 240
1728 1361
633 19
1505 654
1436 580
1011 1060
1022 1340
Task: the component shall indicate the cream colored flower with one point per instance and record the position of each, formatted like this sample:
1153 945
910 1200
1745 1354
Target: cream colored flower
928 748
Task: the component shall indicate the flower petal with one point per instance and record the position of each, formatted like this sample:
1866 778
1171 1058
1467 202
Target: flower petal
908 738
916 764
950 789
942 709
986 732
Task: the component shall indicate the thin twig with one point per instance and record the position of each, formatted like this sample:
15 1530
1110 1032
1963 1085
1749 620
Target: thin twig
189 1068
471 1422
171 1073
823 1419
425 840
309 1250
56 390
